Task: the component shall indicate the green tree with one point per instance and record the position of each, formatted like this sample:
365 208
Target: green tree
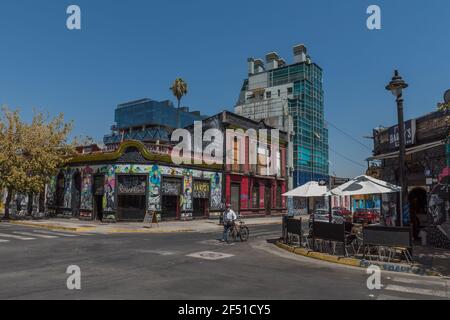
179 90
31 153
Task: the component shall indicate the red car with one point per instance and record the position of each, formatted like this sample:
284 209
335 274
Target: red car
369 216
347 214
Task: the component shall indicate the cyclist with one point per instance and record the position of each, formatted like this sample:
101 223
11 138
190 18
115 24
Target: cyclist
229 217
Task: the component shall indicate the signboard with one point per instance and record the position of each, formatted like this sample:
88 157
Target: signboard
410 135
201 189
150 218
132 184
171 187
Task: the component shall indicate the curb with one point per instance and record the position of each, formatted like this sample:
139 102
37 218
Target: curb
392 267
51 227
143 231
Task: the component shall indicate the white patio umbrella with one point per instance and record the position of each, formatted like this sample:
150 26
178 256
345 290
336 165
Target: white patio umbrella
364 185
308 190
311 189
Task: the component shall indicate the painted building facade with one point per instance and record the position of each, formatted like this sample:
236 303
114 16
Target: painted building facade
250 188
124 184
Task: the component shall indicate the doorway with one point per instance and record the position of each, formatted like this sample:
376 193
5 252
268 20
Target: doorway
201 193
236 197
200 208
59 201
268 199
170 197
99 187
417 199
131 197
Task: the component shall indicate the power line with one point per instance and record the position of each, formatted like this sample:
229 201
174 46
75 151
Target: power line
346 158
349 136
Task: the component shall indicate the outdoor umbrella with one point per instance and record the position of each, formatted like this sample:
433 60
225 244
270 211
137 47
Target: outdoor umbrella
311 189
364 185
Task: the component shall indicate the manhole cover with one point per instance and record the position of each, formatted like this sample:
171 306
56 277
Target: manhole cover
208 255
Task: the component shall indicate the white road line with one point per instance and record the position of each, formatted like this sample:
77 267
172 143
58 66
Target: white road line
4 235
258 234
388 297
44 236
420 282
55 233
425 292
2 241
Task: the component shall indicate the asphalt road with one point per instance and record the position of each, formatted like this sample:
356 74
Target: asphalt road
33 265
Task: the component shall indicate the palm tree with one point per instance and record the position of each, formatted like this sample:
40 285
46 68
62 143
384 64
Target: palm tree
179 89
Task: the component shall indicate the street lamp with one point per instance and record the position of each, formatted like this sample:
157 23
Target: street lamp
396 86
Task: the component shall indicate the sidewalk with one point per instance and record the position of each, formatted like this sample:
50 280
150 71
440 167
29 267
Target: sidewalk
75 225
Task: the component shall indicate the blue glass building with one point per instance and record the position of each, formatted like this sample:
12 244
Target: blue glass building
149 121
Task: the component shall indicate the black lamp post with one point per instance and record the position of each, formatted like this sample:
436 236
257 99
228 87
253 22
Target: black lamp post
396 86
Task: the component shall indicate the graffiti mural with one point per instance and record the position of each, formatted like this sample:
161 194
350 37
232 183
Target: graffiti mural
186 199
86 192
216 191
154 188
68 188
110 187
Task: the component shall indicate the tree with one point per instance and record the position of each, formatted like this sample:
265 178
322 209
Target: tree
30 154
445 107
179 89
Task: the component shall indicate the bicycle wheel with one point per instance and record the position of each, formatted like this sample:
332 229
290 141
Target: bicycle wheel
231 235
244 234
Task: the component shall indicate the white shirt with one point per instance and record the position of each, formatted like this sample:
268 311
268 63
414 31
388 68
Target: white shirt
229 216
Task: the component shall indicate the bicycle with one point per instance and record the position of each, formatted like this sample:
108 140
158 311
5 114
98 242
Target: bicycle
240 231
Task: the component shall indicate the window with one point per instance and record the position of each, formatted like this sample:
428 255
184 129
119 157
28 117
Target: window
268 94
255 195
289 90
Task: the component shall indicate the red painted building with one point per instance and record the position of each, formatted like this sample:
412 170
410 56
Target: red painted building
252 189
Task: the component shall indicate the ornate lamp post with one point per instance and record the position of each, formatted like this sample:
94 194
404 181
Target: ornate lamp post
396 86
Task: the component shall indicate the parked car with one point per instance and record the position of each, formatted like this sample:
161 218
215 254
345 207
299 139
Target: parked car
322 215
369 216
347 214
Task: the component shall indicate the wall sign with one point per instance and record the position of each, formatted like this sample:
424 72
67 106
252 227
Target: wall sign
129 184
201 189
171 188
410 135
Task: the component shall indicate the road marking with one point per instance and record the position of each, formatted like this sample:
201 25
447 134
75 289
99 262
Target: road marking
208 255
55 233
4 235
35 235
388 297
425 292
260 234
2 241
417 281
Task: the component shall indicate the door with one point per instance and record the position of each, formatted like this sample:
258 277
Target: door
268 199
236 197
201 193
99 187
131 197
170 198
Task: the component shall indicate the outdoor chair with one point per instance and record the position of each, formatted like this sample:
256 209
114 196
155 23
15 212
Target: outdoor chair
392 251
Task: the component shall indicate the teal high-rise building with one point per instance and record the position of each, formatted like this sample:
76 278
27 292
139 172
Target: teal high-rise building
291 98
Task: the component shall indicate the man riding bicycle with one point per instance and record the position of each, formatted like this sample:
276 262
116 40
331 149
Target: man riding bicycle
229 218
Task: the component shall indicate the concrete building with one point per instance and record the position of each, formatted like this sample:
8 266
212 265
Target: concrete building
290 97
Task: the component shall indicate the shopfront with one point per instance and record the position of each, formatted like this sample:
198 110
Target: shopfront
125 184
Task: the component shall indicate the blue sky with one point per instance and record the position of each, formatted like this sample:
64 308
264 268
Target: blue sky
132 49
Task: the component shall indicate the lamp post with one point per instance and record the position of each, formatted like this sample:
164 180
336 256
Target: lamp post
396 86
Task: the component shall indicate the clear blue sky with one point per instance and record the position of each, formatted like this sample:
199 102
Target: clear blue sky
132 49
